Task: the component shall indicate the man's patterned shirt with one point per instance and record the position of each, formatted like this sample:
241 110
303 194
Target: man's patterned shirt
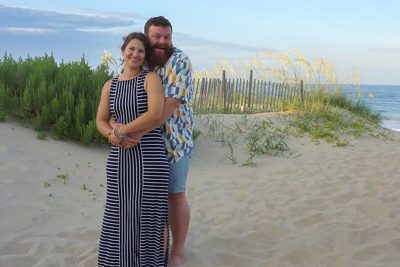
176 76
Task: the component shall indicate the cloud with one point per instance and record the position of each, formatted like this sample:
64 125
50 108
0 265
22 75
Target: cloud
386 51
70 34
110 15
120 31
19 17
26 30
205 54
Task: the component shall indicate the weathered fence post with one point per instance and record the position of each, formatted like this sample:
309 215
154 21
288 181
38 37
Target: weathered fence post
202 96
224 90
226 96
302 92
250 88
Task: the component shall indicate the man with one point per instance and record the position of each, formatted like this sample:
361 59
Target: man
175 70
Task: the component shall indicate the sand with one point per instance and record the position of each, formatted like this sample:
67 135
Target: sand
318 206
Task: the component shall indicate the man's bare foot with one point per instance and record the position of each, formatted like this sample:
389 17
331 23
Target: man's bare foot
175 261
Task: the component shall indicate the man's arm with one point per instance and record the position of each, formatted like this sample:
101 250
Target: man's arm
170 105
175 94
155 107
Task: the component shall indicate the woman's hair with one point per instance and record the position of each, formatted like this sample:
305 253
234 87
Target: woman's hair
141 37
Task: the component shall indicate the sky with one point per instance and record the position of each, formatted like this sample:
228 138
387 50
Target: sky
361 36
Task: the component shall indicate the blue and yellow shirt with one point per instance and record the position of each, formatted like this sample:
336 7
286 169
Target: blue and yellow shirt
176 76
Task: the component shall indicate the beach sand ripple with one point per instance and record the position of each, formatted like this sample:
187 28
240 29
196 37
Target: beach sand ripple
324 207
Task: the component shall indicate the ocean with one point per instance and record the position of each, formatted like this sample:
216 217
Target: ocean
383 99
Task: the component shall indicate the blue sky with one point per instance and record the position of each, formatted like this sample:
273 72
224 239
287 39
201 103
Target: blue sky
353 35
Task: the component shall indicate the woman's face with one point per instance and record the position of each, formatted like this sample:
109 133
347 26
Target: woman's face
134 54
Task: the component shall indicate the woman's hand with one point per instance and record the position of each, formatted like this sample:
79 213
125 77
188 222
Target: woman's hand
127 142
114 140
132 140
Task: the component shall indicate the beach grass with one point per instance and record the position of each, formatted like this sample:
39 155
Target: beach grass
326 114
61 99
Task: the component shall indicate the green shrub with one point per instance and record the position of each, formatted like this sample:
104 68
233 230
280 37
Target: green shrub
61 97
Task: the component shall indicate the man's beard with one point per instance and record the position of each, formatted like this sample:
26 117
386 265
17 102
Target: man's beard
160 59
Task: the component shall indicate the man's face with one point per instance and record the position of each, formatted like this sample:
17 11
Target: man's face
161 42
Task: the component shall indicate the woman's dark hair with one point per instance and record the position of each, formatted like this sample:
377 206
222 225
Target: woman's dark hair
141 37
156 21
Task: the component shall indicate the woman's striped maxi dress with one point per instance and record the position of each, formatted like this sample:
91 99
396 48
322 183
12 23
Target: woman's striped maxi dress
137 188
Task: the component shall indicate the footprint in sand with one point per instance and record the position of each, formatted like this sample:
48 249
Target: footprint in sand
18 260
310 220
15 253
273 232
15 247
228 259
387 198
396 244
3 148
89 235
371 253
299 257
343 198
373 210
88 261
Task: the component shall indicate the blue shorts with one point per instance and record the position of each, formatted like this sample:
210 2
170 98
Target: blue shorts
178 172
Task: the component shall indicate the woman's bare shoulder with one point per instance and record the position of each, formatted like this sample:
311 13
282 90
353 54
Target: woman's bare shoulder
152 75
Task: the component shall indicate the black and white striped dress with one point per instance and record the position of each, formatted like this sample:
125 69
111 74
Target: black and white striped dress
137 188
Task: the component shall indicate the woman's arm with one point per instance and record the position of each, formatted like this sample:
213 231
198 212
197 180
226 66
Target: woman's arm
103 115
103 111
155 106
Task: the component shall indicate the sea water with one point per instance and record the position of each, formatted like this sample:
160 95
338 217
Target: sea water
382 99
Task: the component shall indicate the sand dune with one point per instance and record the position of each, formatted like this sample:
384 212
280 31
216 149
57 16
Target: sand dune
324 206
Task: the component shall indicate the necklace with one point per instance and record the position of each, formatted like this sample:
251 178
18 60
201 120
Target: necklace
128 76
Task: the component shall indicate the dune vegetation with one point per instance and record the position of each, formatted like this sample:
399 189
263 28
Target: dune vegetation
60 99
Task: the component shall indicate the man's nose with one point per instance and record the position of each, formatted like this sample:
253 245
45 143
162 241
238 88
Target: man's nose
163 40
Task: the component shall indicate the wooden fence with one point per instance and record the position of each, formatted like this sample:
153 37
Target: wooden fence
244 95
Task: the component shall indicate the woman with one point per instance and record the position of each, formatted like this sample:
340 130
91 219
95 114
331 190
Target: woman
137 178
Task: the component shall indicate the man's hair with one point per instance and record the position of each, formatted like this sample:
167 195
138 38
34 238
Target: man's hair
156 21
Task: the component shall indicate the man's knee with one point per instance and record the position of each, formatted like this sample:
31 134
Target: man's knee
178 172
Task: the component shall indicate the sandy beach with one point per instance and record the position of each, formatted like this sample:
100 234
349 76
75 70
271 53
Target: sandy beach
321 206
